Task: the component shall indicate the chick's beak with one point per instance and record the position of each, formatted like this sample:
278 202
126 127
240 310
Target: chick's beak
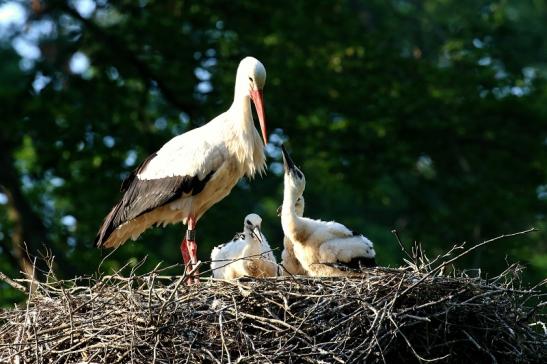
257 233
287 161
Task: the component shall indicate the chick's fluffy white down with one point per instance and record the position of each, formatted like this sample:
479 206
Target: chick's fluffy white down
243 257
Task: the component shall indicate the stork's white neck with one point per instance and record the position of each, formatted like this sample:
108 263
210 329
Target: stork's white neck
241 89
247 145
252 247
250 238
289 217
241 109
289 200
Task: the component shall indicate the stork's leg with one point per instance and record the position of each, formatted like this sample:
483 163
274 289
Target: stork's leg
190 249
184 251
186 255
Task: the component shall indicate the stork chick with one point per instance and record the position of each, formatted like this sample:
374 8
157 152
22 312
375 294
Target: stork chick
289 263
248 254
322 248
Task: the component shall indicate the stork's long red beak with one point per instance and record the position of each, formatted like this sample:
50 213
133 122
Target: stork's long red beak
258 99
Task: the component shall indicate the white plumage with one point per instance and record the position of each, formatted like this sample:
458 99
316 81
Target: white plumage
195 170
248 254
289 263
323 248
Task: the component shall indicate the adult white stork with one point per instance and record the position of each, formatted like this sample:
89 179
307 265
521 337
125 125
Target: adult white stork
194 170
322 248
248 254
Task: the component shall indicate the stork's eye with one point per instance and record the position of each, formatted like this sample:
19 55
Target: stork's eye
248 222
251 79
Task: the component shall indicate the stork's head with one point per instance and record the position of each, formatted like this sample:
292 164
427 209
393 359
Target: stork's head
298 206
251 226
250 81
294 178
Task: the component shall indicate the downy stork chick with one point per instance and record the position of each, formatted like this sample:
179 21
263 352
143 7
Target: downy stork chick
323 248
289 264
248 254
193 171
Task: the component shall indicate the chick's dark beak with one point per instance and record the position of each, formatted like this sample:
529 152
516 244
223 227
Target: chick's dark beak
257 233
287 161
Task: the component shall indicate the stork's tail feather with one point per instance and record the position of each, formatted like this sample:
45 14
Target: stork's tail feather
107 228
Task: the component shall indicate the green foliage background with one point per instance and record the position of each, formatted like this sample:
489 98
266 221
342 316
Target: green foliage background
429 117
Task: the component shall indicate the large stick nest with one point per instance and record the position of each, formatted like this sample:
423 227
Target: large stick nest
411 314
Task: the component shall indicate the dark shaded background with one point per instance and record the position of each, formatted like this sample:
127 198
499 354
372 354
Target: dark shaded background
424 116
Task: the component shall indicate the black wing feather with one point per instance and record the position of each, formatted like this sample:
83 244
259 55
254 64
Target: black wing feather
129 179
142 196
